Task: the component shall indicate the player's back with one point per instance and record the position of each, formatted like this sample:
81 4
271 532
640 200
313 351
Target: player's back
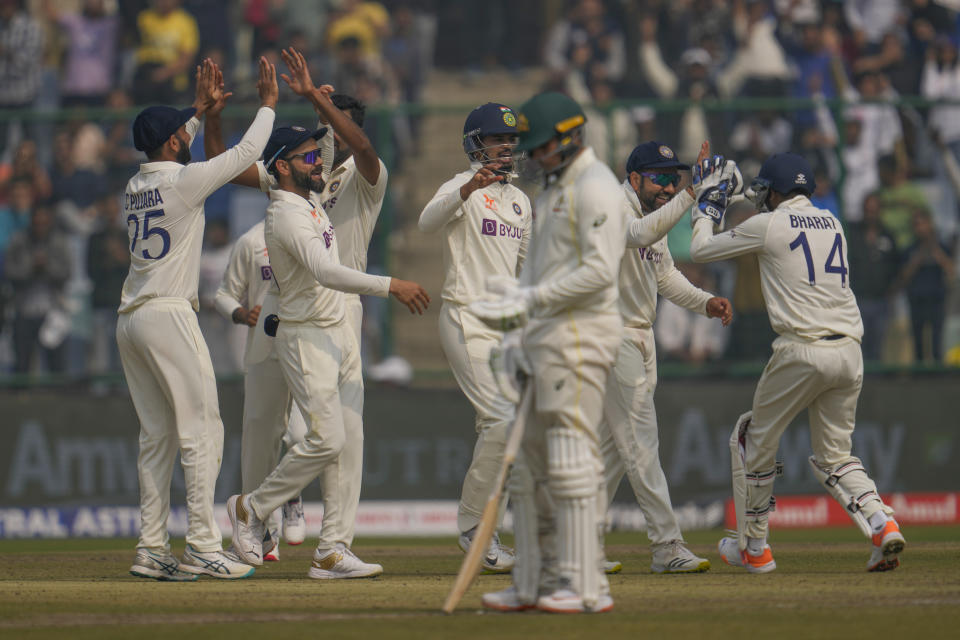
165 230
805 275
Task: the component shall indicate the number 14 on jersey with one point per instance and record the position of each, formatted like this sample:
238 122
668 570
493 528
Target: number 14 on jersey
830 266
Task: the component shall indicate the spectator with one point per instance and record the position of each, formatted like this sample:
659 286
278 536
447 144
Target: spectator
26 166
759 65
368 22
859 157
266 31
761 134
927 269
587 42
824 196
79 186
306 17
38 265
941 80
899 198
21 62
108 260
874 264
15 215
169 40
91 53
870 20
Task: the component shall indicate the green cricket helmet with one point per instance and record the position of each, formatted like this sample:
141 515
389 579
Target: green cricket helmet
546 116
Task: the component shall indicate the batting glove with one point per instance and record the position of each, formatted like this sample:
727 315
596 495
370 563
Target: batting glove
510 366
506 313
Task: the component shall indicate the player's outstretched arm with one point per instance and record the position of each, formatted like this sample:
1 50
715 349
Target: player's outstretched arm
213 135
411 294
200 179
299 80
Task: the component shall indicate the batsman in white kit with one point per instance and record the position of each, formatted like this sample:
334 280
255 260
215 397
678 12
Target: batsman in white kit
568 290
270 417
319 357
485 225
165 359
629 442
816 363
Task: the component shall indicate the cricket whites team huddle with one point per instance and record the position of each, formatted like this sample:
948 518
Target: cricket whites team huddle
546 317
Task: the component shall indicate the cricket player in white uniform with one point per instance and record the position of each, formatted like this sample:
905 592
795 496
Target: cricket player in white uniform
629 442
270 418
568 289
165 359
816 363
485 225
319 357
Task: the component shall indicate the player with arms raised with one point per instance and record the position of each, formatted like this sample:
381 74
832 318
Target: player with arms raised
816 363
485 226
164 356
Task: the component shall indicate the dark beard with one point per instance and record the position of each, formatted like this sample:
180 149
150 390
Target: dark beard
183 154
303 180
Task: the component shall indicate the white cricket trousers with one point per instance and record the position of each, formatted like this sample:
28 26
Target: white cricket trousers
270 418
466 343
174 391
629 442
571 355
322 368
824 377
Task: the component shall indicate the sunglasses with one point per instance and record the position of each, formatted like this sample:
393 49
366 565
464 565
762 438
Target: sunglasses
309 157
663 179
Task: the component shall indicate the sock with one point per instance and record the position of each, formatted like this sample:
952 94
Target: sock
755 545
877 521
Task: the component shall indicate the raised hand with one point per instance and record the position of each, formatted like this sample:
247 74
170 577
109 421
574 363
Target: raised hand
267 84
411 294
206 81
482 178
219 96
299 79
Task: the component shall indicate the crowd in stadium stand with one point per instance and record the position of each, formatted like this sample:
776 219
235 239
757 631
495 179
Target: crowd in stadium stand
63 246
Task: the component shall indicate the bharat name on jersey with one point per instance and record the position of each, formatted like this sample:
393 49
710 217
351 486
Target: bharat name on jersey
804 271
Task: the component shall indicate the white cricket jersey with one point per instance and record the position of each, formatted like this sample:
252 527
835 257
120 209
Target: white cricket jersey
483 236
645 271
803 267
246 280
305 261
577 241
163 207
353 206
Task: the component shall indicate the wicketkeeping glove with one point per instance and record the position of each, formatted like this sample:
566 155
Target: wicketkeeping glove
712 171
712 204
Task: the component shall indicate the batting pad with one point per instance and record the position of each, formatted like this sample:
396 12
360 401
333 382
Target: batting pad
576 484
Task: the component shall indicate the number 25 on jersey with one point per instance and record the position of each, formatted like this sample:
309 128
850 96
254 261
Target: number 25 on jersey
147 233
830 266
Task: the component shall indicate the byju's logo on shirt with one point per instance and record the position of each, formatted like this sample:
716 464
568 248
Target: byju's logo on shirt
266 273
328 237
489 227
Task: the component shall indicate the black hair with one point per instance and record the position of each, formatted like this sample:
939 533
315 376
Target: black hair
154 154
354 107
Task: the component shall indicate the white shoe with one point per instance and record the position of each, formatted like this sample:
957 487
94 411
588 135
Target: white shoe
674 557
611 567
887 545
294 524
729 549
498 559
341 562
569 601
165 567
271 546
506 600
219 564
248 530
730 553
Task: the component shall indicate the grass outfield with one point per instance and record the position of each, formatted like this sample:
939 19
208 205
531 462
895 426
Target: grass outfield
81 589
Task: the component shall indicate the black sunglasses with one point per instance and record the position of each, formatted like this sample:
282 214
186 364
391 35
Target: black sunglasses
309 157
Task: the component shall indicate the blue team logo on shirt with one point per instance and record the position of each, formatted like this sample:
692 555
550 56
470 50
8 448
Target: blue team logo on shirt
517 210
334 186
